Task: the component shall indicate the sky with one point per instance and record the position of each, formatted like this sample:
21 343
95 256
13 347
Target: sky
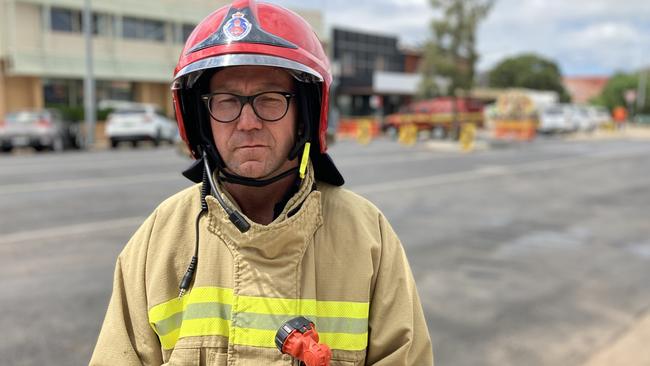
585 37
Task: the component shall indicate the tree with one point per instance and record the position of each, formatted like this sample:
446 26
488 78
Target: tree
451 53
528 71
613 94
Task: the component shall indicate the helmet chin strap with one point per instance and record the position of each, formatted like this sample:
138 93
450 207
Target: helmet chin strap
224 176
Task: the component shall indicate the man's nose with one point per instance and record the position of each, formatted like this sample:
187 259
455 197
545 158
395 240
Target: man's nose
248 120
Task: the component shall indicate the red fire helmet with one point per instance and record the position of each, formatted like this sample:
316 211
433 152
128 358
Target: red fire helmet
248 33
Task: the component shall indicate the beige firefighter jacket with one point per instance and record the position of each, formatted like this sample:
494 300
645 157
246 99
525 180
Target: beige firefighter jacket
331 256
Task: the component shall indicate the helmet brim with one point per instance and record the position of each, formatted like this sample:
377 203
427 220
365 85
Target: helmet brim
186 76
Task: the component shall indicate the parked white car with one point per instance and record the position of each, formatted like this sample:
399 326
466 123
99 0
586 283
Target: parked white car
600 115
583 118
555 118
40 129
144 123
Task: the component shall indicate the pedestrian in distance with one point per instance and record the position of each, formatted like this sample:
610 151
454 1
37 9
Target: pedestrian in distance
268 233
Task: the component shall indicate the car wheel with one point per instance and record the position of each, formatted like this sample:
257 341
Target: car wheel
79 142
391 131
114 143
6 149
439 133
57 144
135 143
157 139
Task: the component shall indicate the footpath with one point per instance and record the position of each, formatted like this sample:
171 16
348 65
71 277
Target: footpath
631 348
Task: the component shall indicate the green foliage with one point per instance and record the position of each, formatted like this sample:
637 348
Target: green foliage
77 114
613 94
528 71
102 114
451 52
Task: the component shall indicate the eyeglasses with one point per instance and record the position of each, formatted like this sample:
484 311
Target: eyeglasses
268 106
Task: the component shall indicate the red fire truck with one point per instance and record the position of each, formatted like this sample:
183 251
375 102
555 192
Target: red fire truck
439 116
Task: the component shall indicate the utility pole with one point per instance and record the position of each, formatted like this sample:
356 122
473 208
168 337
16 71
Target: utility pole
640 94
89 80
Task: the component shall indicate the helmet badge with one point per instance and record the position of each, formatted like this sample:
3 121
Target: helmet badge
237 27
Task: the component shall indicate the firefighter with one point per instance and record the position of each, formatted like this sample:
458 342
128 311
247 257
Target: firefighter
268 234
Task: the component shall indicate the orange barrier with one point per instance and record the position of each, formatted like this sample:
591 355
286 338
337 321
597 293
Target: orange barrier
349 127
521 130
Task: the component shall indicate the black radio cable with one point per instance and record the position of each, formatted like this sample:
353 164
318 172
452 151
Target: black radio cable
189 274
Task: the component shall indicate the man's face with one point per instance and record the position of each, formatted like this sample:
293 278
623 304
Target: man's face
251 147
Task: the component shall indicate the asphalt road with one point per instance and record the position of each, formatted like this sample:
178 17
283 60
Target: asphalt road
531 254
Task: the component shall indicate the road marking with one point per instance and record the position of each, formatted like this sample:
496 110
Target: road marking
60 166
398 158
482 172
70 230
457 177
85 183
493 171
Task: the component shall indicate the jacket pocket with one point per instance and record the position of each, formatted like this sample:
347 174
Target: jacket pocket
212 356
184 357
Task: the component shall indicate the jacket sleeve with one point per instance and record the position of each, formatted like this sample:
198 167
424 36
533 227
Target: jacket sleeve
398 333
126 338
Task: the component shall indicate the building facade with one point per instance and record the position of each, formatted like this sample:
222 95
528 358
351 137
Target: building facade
135 48
374 76
584 88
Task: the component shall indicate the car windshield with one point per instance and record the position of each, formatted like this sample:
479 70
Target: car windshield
23 117
553 110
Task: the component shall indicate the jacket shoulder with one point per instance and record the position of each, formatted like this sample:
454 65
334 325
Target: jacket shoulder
187 199
340 200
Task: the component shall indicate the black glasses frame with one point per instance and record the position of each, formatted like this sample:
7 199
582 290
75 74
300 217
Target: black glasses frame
247 99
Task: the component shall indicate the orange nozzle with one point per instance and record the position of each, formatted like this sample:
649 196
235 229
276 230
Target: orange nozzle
299 339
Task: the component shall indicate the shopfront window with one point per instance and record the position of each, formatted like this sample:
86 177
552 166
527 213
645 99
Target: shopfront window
138 28
63 92
114 90
65 20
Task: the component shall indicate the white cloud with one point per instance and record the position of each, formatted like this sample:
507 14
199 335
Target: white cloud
584 36
600 33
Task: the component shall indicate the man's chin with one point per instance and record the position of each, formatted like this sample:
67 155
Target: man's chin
252 170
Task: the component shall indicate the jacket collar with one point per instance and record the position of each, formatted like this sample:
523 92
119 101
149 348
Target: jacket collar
288 233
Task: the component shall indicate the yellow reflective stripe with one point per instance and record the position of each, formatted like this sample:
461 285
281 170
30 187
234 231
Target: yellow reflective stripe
168 341
266 338
196 295
173 319
345 341
304 307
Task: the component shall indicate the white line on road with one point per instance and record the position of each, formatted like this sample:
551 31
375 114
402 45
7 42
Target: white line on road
493 171
85 183
70 230
63 165
483 172
398 158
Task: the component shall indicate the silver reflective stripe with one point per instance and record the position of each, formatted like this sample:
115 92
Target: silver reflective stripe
258 321
243 59
323 324
193 311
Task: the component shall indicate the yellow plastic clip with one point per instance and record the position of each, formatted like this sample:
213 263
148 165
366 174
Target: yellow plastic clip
305 159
